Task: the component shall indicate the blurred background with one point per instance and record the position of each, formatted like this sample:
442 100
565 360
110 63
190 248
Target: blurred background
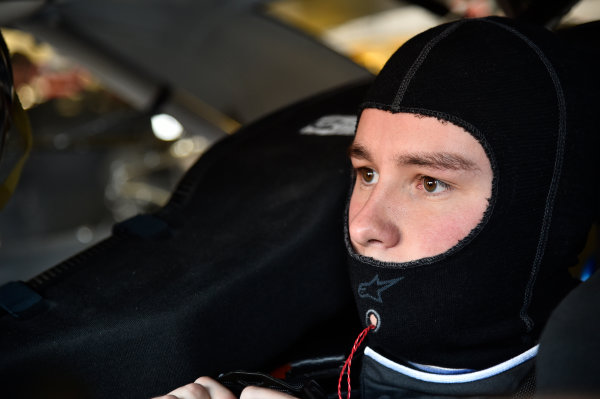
124 95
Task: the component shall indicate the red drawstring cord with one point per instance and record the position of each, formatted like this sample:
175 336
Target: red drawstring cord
348 362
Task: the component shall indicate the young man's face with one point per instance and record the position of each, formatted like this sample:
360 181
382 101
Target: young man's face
421 186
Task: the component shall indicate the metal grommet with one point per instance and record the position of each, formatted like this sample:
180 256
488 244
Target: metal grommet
372 317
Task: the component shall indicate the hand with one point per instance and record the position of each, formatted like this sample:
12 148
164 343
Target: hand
207 388
202 388
263 393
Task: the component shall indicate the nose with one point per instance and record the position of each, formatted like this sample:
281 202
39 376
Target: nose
372 225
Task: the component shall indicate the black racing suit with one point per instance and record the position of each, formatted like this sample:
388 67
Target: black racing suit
381 378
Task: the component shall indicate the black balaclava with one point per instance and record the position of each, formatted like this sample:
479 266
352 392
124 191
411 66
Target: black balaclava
523 95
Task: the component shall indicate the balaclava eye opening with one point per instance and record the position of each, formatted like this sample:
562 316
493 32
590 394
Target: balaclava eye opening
517 90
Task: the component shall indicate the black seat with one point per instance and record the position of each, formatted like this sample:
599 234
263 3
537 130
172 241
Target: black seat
244 268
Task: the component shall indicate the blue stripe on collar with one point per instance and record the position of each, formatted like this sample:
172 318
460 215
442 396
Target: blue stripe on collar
438 370
452 378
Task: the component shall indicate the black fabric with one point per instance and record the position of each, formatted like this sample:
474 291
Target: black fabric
379 382
531 101
18 299
569 358
237 381
244 262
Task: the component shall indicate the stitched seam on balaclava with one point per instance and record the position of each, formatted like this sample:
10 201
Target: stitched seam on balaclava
558 161
418 62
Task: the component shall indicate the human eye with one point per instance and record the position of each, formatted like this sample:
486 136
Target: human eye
367 176
432 185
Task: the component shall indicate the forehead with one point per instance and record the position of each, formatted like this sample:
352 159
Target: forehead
383 134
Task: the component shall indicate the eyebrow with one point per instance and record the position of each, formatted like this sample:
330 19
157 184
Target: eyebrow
434 160
358 151
437 160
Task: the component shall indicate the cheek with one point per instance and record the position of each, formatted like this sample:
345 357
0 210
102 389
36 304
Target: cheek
446 229
437 235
